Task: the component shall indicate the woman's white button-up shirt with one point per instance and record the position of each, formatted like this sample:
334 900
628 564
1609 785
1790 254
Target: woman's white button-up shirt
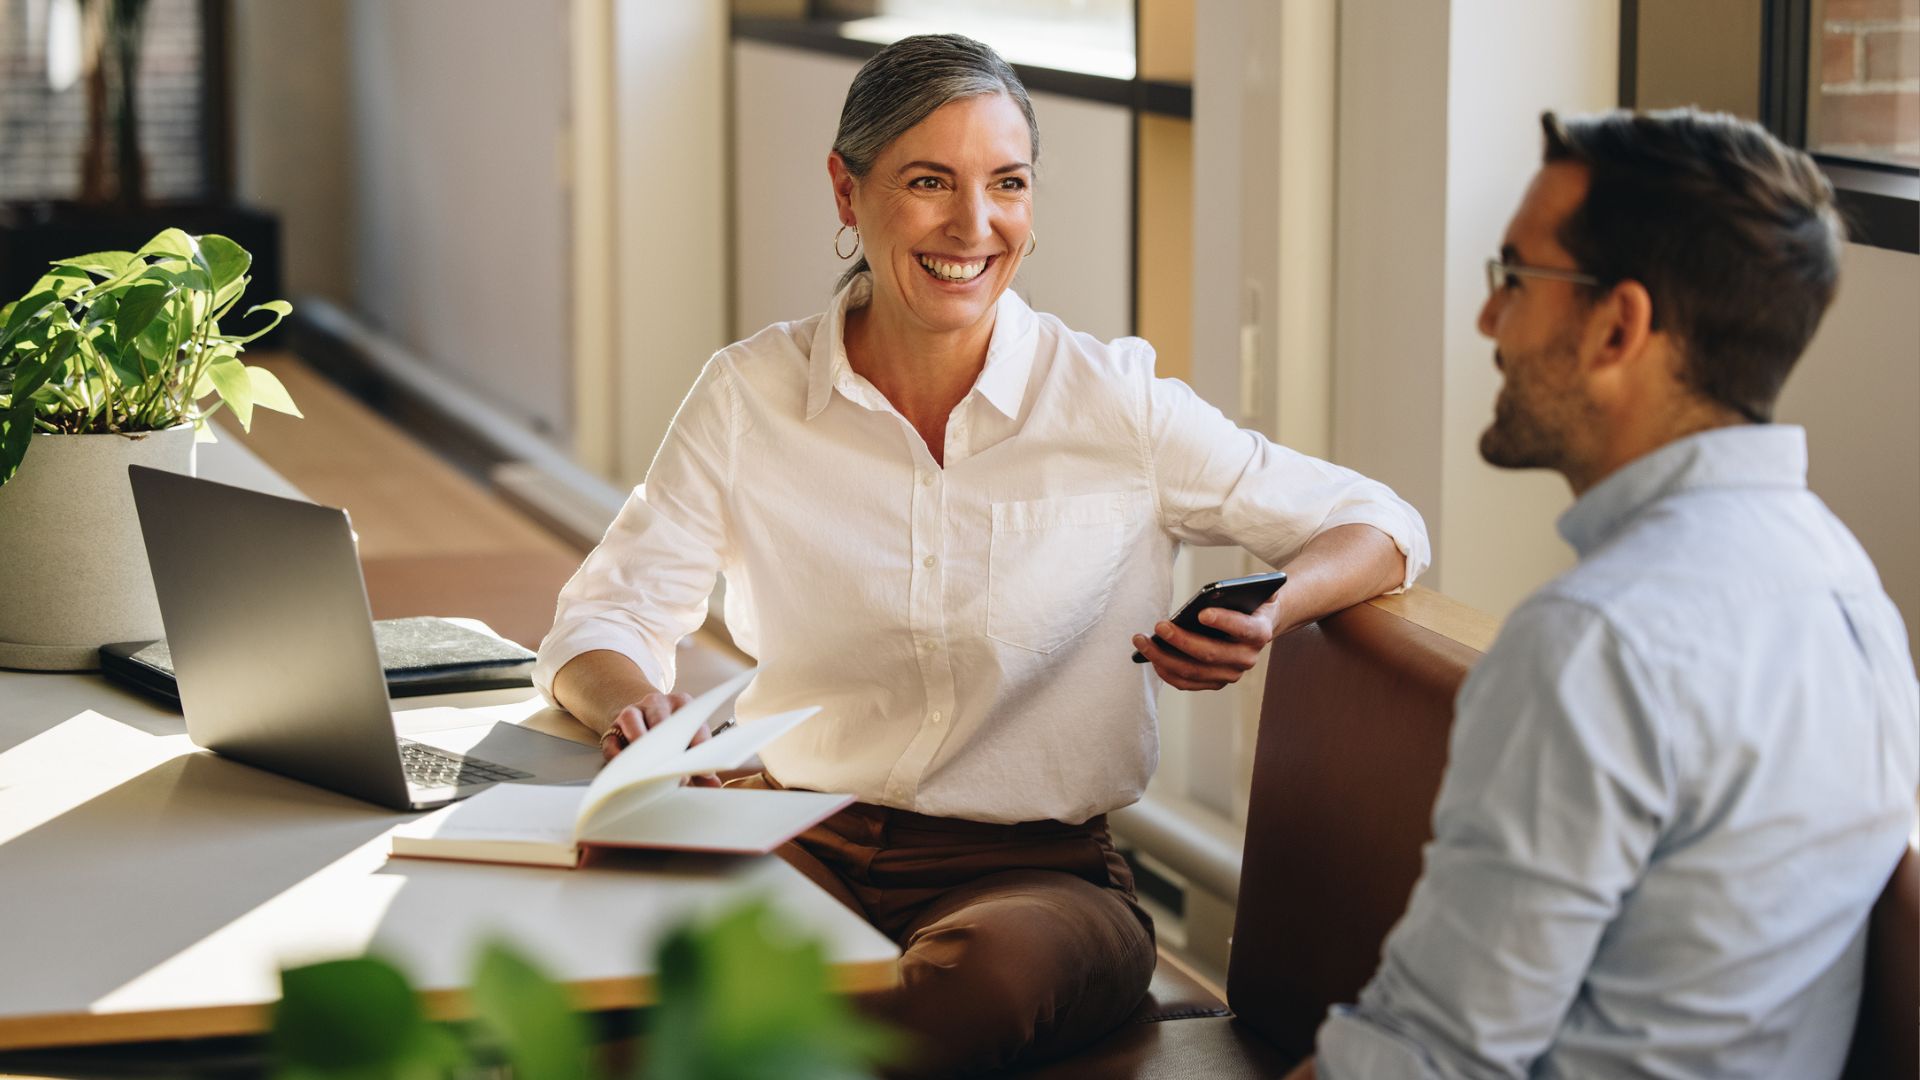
967 629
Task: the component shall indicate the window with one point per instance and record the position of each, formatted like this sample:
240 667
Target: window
44 99
1840 78
1863 95
1094 37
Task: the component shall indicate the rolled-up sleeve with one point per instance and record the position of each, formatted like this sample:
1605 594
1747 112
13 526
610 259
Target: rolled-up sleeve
647 584
1558 784
1222 484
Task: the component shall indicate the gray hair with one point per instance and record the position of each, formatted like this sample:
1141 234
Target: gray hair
904 83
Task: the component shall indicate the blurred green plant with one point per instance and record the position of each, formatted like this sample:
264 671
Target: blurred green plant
125 342
739 1000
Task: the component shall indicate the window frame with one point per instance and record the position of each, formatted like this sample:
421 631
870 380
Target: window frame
1880 202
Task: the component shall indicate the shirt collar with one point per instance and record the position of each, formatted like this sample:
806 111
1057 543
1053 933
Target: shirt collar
1002 381
1743 456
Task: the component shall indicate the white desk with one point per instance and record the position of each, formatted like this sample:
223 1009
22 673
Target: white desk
150 890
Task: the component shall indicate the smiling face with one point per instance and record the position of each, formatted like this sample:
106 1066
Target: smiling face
1544 416
944 213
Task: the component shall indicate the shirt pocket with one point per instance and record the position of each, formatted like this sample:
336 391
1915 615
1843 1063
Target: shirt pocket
1052 565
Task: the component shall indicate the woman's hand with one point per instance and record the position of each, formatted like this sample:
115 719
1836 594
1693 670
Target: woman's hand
631 723
1197 662
1335 570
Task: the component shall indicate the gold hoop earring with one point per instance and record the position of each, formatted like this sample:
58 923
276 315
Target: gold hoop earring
856 242
1033 244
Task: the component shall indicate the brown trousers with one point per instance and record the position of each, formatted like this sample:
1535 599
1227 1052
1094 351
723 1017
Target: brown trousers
1020 943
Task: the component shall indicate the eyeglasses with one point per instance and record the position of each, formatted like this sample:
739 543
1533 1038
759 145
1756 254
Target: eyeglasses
1500 274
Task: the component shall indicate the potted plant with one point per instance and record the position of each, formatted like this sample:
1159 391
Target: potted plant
740 998
111 359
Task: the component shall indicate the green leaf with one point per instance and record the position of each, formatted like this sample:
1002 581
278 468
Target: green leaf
187 276
231 382
157 341
538 1030
170 242
108 264
226 261
740 1000
280 309
23 312
62 281
32 373
101 310
52 363
229 295
16 433
137 310
270 393
345 1014
356 1018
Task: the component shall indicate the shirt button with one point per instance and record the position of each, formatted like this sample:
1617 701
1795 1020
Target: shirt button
926 479
927 562
935 716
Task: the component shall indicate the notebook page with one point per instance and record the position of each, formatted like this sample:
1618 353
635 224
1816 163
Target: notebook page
723 751
652 756
523 813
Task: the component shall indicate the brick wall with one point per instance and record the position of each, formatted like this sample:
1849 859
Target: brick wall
43 131
1868 104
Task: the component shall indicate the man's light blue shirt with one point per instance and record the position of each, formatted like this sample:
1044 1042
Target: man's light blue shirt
1677 783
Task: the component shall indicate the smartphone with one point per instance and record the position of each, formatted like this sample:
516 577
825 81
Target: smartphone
1242 594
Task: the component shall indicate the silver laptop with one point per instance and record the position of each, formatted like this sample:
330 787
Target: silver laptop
267 619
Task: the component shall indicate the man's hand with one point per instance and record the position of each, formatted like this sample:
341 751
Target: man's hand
1197 662
632 723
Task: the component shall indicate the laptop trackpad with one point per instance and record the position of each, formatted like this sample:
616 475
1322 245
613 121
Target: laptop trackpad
551 760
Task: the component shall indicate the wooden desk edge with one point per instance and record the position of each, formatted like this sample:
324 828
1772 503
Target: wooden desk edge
1443 615
102 1029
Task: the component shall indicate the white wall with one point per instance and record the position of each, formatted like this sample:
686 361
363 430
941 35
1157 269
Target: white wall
460 243
291 145
670 164
1439 134
1390 236
787 108
1857 390
1510 60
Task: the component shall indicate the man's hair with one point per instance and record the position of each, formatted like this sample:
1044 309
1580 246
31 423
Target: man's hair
1733 234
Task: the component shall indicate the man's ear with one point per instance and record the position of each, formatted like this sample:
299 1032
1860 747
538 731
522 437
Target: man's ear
843 181
1624 320
1619 357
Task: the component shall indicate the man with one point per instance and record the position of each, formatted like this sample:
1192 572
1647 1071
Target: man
1684 771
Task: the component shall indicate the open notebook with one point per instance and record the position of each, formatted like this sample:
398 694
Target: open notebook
637 801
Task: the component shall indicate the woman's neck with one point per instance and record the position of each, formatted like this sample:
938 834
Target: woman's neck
923 374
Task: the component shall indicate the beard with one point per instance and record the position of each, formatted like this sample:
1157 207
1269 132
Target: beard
1540 405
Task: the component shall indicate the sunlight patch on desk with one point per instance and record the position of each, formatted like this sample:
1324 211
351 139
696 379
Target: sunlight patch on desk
78 759
329 915
139 869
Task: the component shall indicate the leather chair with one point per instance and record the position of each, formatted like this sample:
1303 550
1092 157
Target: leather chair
1352 744
1884 1045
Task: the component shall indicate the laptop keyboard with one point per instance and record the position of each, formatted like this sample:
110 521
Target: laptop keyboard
427 767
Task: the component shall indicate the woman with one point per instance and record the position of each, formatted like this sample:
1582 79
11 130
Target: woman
950 520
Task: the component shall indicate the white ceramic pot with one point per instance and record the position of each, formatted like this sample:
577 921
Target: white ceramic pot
73 567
